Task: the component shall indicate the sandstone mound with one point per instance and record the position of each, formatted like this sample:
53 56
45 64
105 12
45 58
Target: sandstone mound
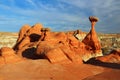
38 42
43 70
8 56
28 34
108 75
22 32
113 57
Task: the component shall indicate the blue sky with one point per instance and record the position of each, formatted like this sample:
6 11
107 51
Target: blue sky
60 15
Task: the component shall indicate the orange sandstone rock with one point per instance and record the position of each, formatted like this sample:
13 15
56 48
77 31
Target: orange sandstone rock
28 34
2 60
36 29
22 32
112 57
24 42
92 40
21 36
57 56
49 48
9 55
59 46
71 54
43 47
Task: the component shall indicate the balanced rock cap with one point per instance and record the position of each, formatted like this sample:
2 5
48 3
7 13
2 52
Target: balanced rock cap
93 19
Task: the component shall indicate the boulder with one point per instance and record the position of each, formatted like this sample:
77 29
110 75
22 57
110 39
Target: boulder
55 38
24 42
71 54
21 36
22 32
9 55
56 55
35 29
28 34
43 47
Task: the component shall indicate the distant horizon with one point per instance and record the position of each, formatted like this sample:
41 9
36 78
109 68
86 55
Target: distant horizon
61 31
60 15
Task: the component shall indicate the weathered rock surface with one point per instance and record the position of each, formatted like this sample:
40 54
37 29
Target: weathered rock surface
113 57
44 70
38 42
57 47
108 75
8 56
28 34
92 40
22 32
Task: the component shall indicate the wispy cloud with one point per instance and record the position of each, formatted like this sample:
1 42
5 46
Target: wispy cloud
108 11
32 3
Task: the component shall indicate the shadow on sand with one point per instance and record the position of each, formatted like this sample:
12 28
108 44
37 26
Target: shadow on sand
95 62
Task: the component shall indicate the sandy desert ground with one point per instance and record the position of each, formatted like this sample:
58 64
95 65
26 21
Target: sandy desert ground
43 70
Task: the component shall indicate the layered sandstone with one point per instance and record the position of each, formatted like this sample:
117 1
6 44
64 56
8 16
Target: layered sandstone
57 47
92 40
112 57
8 56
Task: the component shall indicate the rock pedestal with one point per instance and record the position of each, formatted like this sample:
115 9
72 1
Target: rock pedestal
92 40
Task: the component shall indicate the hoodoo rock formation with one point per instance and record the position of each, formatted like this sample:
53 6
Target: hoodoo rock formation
37 42
92 40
